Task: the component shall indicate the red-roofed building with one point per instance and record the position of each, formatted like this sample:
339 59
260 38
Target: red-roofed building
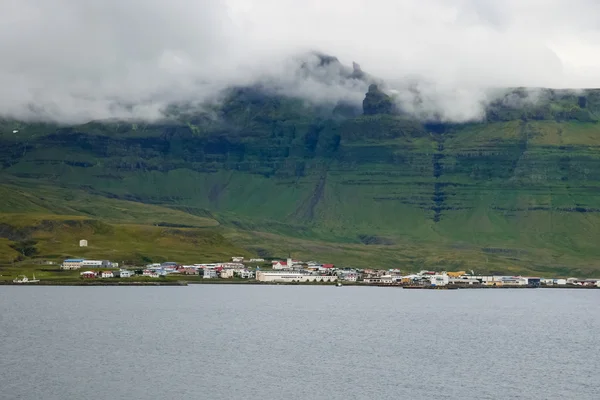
328 266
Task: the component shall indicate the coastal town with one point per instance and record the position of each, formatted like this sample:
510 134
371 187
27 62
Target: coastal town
291 271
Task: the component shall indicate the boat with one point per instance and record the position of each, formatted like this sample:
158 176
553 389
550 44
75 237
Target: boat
25 279
339 284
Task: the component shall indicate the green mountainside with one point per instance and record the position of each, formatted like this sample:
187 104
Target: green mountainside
266 174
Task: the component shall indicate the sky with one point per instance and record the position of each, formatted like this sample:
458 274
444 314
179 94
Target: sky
74 61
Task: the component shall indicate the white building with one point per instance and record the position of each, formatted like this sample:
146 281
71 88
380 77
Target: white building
150 273
107 274
96 264
209 274
245 274
72 263
237 259
283 264
348 276
257 260
125 273
265 276
439 280
83 243
227 273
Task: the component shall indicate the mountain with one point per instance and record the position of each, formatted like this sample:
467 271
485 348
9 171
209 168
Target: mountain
516 192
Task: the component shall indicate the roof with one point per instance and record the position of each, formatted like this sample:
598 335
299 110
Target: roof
327 265
74 260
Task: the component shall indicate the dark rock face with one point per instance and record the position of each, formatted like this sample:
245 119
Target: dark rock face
377 102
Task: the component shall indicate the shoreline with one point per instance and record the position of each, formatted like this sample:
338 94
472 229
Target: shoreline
257 283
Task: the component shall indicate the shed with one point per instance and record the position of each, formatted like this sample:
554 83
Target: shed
83 243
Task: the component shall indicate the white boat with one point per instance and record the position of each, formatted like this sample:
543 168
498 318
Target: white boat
338 284
25 279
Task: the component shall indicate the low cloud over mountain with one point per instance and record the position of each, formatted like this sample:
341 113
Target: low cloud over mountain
72 61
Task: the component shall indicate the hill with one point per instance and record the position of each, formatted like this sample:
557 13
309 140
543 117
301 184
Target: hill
516 192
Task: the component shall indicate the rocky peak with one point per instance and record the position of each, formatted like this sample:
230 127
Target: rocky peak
377 102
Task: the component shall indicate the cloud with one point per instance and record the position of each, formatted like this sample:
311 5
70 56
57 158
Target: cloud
72 61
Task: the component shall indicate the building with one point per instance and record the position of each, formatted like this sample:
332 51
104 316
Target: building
296 276
150 273
245 274
237 259
188 271
72 263
257 260
282 264
209 274
96 264
107 274
125 273
83 243
439 280
88 274
226 274
348 276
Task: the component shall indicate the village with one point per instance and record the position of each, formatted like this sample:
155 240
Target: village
296 271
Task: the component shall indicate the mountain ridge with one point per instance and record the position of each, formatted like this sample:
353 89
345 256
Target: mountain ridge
516 191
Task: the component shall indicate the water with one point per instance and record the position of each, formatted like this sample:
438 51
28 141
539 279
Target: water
297 342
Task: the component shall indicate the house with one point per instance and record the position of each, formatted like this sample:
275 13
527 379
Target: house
245 274
188 271
209 274
226 273
348 276
107 274
257 260
125 273
72 263
560 281
150 273
83 243
327 266
282 264
237 259
88 274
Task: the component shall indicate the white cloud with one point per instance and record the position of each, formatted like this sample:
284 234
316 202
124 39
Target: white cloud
72 60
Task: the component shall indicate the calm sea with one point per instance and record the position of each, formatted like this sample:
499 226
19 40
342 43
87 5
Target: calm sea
297 342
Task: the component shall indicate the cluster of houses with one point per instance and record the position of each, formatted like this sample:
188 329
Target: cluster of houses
291 271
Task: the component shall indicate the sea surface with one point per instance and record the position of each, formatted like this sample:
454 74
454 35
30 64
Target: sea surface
297 342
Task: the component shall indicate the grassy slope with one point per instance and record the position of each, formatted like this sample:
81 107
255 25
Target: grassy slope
513 195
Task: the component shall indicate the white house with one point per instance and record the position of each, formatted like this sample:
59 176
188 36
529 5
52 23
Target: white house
282 264
150 273
125 273
245 274
257 260
83 243
348 276
560 281
107 274
72 263
227 273
209 274
237 259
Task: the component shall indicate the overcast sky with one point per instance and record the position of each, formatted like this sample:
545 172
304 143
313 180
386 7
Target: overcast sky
75 60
